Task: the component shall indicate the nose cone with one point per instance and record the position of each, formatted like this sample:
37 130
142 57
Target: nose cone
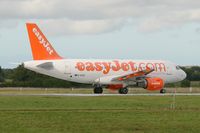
183 75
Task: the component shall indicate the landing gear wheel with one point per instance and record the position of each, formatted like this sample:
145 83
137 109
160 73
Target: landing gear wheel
98 90
162 91
123 90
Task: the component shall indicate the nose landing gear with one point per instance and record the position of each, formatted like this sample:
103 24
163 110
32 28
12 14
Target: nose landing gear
163 91
123 90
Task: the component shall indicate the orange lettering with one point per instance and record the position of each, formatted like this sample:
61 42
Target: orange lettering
98 66
132 64
117 66
106 67
89 66
125 66
80 66
160 66
141 66
150 66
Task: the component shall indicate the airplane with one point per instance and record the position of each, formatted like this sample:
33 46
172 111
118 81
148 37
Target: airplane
115 74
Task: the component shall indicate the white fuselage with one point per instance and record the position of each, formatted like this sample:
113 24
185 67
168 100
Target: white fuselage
91 71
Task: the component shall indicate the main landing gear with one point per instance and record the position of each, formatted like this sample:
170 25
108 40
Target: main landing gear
98 90
162 91
123 90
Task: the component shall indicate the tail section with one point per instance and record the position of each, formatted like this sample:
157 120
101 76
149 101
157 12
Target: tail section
41 48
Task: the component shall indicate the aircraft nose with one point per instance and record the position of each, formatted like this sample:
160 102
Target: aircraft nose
183 75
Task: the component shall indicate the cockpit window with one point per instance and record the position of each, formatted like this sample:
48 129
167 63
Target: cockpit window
178 68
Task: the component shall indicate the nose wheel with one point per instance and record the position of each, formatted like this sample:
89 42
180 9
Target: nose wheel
123 90
162 91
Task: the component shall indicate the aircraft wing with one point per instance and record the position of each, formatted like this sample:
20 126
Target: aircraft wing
133 75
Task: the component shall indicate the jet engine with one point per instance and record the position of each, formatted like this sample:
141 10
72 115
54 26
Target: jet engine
151 84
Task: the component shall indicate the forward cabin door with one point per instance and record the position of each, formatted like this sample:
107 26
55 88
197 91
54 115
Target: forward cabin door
68 73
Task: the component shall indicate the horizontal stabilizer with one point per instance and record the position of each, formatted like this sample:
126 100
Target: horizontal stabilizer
46 65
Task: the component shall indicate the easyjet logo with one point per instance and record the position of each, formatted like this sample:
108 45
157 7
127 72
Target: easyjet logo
116 65
43 42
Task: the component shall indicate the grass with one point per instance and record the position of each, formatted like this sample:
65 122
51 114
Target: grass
127 114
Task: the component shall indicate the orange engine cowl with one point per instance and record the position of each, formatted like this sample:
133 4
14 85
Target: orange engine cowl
154 84
115 87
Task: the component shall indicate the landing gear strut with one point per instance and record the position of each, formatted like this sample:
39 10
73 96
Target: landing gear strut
123 90
162 91
98 90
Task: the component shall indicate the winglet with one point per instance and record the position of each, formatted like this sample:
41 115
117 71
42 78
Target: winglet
41 48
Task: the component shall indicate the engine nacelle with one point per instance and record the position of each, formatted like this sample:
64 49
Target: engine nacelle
152 84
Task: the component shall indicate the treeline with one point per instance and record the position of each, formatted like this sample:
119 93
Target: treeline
193 73
21 77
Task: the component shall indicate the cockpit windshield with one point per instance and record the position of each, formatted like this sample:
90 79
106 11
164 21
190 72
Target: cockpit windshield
178 68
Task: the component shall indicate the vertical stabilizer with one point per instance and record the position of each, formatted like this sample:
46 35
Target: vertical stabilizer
40 46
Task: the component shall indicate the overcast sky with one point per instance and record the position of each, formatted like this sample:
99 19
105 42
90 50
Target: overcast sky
133 29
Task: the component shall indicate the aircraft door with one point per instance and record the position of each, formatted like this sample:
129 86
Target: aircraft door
169 69
68 70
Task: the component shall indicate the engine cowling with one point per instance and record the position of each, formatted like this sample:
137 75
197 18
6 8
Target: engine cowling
152 84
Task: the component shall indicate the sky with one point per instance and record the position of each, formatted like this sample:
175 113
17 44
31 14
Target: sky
103 29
